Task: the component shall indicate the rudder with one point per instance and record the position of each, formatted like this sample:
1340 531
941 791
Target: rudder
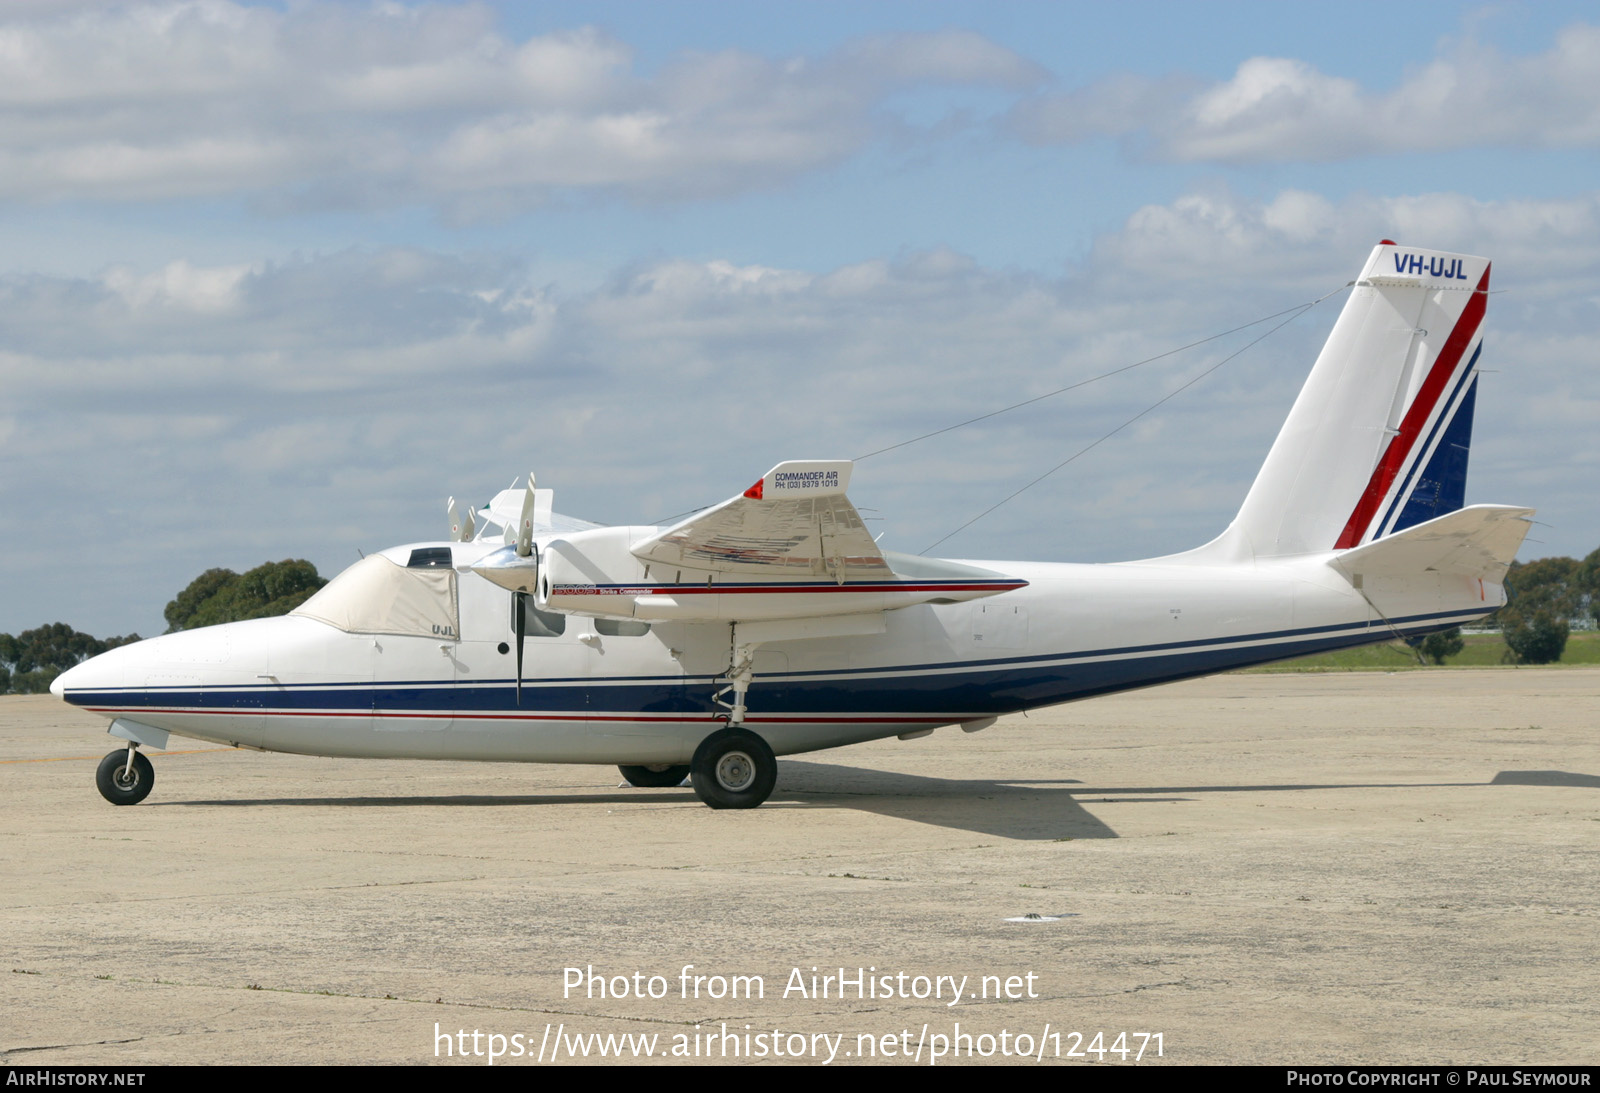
1377 441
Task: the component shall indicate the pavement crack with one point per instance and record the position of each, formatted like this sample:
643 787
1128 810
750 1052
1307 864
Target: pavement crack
60 1047
1155 986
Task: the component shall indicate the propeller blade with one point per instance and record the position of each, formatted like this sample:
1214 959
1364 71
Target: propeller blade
519 614
460 523
525 523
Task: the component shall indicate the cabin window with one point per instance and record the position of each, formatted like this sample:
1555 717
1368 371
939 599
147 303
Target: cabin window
621 628
376 596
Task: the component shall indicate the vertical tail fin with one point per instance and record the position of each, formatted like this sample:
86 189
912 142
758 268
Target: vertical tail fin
1377 441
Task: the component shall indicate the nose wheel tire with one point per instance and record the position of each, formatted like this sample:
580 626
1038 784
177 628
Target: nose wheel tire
120 785
654 776
733 768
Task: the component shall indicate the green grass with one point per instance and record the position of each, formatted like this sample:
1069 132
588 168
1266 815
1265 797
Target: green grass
1389 657
1582 648
1481 651
1485 651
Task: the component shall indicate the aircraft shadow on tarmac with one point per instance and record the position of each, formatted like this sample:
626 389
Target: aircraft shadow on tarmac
1546 778
1037 809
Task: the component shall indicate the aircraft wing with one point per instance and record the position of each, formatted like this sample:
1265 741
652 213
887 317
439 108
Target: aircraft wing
796 521
788 551
1475 542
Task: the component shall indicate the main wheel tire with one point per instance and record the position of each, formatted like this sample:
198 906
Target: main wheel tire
733 768
654 776
118 785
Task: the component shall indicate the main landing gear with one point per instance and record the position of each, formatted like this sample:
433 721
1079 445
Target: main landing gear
125 776
735 768
732 768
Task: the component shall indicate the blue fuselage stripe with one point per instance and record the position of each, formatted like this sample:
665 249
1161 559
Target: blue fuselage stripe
962 687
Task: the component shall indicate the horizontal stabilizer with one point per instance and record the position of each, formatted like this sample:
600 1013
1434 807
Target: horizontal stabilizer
1476 542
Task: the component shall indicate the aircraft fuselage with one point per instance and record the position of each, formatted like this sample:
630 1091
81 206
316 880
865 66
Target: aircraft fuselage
298 684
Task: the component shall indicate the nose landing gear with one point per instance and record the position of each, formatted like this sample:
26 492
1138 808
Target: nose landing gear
125 776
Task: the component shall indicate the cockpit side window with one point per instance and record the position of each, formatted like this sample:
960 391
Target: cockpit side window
621 628
429 558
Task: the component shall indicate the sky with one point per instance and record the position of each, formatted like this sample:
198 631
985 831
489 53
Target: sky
278 279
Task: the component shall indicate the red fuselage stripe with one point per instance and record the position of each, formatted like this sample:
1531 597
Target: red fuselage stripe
773 589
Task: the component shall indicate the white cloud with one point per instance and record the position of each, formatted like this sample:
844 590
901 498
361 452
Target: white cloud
1201 235
180 98
179 285
1277 109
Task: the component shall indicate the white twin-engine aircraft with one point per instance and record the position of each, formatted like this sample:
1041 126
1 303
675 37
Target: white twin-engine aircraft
772 624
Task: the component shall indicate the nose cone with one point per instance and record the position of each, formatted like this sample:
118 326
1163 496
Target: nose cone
207 683
175 669
87 683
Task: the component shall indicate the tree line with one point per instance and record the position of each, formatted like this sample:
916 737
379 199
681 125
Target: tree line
1544 598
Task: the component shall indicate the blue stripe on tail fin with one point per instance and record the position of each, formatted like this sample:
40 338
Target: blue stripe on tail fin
1441 486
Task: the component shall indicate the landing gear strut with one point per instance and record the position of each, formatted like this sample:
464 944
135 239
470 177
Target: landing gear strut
739 678
125 776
